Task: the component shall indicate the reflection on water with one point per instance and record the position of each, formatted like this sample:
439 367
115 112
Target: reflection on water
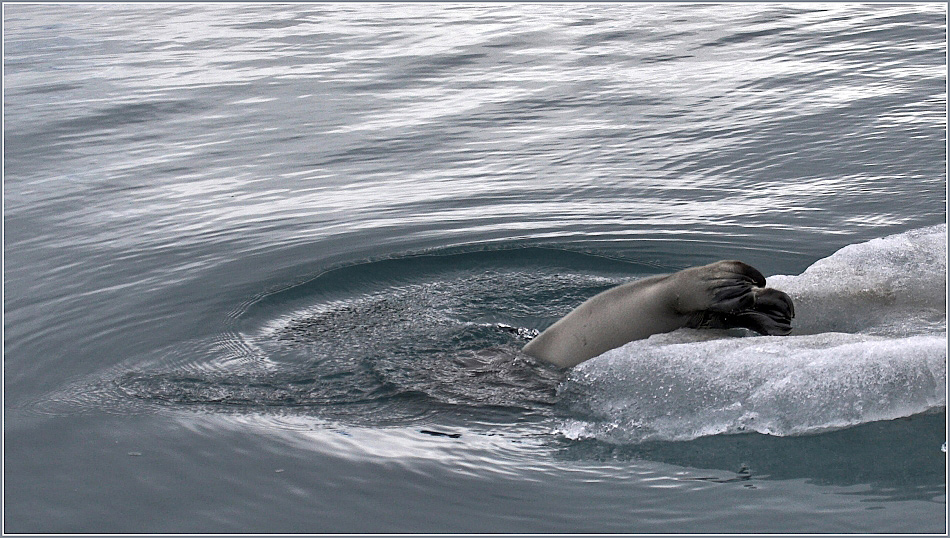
858 456
429 346
225 223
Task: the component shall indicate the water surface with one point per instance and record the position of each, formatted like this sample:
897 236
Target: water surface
269 268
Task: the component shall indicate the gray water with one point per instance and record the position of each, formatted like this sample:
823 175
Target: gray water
268 268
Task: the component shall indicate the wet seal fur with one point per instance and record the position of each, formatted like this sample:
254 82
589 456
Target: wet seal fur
721 295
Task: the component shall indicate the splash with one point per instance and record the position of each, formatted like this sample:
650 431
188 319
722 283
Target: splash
870 344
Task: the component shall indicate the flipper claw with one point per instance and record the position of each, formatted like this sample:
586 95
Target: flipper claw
770 313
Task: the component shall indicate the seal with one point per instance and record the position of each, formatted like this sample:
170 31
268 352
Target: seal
722 295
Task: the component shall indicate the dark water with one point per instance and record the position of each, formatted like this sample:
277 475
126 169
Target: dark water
269 268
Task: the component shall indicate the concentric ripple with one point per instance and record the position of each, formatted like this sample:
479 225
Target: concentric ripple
391 342
436 339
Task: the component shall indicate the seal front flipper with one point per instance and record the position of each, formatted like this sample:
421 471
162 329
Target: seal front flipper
774 303
729 286
771 314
